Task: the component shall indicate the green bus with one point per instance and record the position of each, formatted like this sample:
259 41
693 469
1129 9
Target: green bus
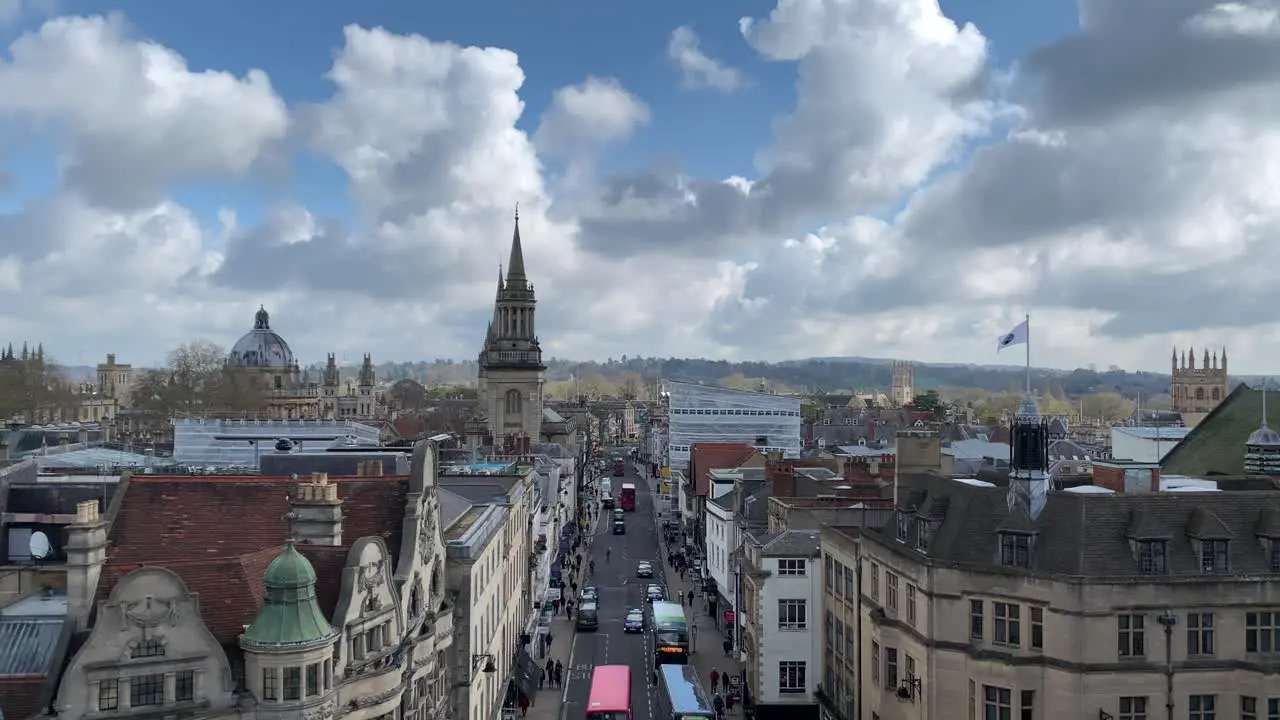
670 633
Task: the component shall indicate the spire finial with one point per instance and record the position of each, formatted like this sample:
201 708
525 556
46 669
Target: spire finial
517 211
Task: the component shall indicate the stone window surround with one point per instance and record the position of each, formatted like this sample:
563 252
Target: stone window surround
279 660
124 673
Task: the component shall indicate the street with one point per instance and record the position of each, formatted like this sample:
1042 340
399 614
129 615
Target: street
620 590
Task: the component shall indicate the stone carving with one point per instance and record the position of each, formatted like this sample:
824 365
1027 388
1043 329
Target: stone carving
371 576
149 612
427 532
323 712
372 603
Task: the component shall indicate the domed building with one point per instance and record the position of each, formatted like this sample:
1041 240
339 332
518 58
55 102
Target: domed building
264 359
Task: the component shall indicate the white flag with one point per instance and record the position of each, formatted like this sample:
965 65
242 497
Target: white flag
1016 336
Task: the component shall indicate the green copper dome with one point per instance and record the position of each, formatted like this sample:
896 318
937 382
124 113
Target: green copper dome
289 614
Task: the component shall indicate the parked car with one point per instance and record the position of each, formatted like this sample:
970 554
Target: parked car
618 514
655 593
634 621
588 617
644 569
590 594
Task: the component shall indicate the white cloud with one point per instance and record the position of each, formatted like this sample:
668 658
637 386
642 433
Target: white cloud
1128 208
697 68
584 116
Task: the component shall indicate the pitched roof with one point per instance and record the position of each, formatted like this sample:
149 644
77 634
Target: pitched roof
1089 535
20 697
219 534
716 456
1216 445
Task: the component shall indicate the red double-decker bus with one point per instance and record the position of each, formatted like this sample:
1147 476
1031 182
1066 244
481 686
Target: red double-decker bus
628 497
610 697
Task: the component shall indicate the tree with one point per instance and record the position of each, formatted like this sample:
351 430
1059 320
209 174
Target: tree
32 387
930 401
1106 406
196 380
630 384
408 395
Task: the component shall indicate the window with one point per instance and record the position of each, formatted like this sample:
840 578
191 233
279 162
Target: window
292 683
911 604
891 668
873 575
875 662
828 565
792 615
977 619
145 690
791 677
1027 705
1248 708
313 680
849 589
109 695
1153 557
997 703
903 522
891 592
1262 632
270 684
1273 709
1133 708
1213 556
839 580
147 648
1200 634
830 629
184 686
1037 628
922 535
1202 707
1008 623
1275 554
1131 634
791 566
1015 550
839 643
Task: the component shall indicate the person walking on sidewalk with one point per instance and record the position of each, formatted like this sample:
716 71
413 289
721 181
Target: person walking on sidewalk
548 674
717 703
524 705
715 679
724 682
690 593
559 674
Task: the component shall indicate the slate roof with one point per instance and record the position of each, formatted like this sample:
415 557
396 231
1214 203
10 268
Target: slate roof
1087 535
1216 445
716 456
789 543
29 653
219 534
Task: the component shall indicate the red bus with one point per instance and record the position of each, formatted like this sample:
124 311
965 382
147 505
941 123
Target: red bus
610 697
628 497
619 467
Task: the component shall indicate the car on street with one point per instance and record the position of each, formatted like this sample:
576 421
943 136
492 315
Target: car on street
619 527
617 514
634 621
644 569
590 594
655 593
588 617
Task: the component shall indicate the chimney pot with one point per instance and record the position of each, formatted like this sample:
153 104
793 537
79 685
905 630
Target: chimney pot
87 512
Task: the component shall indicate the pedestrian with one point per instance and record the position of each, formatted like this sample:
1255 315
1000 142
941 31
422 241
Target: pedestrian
524 705
728 701
715 679
555 606
559 674
717 703
724 681
728 647
548 673
690 597
548 640
568 610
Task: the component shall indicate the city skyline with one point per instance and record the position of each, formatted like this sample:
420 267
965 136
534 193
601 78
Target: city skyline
772 181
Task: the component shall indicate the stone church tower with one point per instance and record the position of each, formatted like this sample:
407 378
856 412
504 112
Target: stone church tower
511 367
904 382
1198 390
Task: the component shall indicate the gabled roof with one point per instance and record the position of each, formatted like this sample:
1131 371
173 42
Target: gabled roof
219 534
1216 445
716 456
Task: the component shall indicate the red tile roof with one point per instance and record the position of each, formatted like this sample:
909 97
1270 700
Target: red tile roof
20 696
704 457
220 533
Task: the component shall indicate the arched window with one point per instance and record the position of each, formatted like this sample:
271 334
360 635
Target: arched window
1199 393
1217 394
513 402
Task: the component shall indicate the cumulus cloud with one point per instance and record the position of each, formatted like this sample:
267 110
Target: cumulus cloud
697 68
1118 189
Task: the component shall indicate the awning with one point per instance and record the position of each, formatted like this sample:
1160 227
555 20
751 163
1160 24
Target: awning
526 675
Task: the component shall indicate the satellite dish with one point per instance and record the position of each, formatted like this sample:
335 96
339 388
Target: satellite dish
39 545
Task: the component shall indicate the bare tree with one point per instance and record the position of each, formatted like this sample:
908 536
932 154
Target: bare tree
195 380
630 384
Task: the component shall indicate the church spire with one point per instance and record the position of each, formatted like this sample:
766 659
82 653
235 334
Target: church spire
515 266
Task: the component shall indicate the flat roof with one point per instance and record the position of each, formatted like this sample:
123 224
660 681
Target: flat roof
1172 434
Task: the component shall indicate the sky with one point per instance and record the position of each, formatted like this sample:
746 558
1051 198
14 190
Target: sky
751 180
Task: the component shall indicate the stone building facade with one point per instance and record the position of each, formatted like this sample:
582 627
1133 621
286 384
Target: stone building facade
1197 391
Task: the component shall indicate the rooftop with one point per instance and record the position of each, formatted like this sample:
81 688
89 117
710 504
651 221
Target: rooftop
1216 445
464 522
1153 433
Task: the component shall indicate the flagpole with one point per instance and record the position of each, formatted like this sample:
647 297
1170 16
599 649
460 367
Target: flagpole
1027 320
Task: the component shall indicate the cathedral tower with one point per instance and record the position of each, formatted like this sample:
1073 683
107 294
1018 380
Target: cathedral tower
1198 390
904 381
511 367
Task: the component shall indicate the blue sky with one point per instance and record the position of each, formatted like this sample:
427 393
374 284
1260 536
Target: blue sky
559 43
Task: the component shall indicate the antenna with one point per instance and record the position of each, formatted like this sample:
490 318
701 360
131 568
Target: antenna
39 546
1264 402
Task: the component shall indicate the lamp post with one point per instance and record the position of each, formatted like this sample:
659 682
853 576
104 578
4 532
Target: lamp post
1167 620
736 631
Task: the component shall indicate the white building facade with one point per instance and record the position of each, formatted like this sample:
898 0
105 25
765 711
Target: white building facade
705 413
721 543
1145 444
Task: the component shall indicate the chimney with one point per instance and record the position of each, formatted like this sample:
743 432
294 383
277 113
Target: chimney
782 479
1127 477
316 518
919 451
86 549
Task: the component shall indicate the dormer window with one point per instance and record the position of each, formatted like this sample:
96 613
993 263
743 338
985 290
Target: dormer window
1214 557
904 520
1275 554
1153 557
924 530
1015 549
